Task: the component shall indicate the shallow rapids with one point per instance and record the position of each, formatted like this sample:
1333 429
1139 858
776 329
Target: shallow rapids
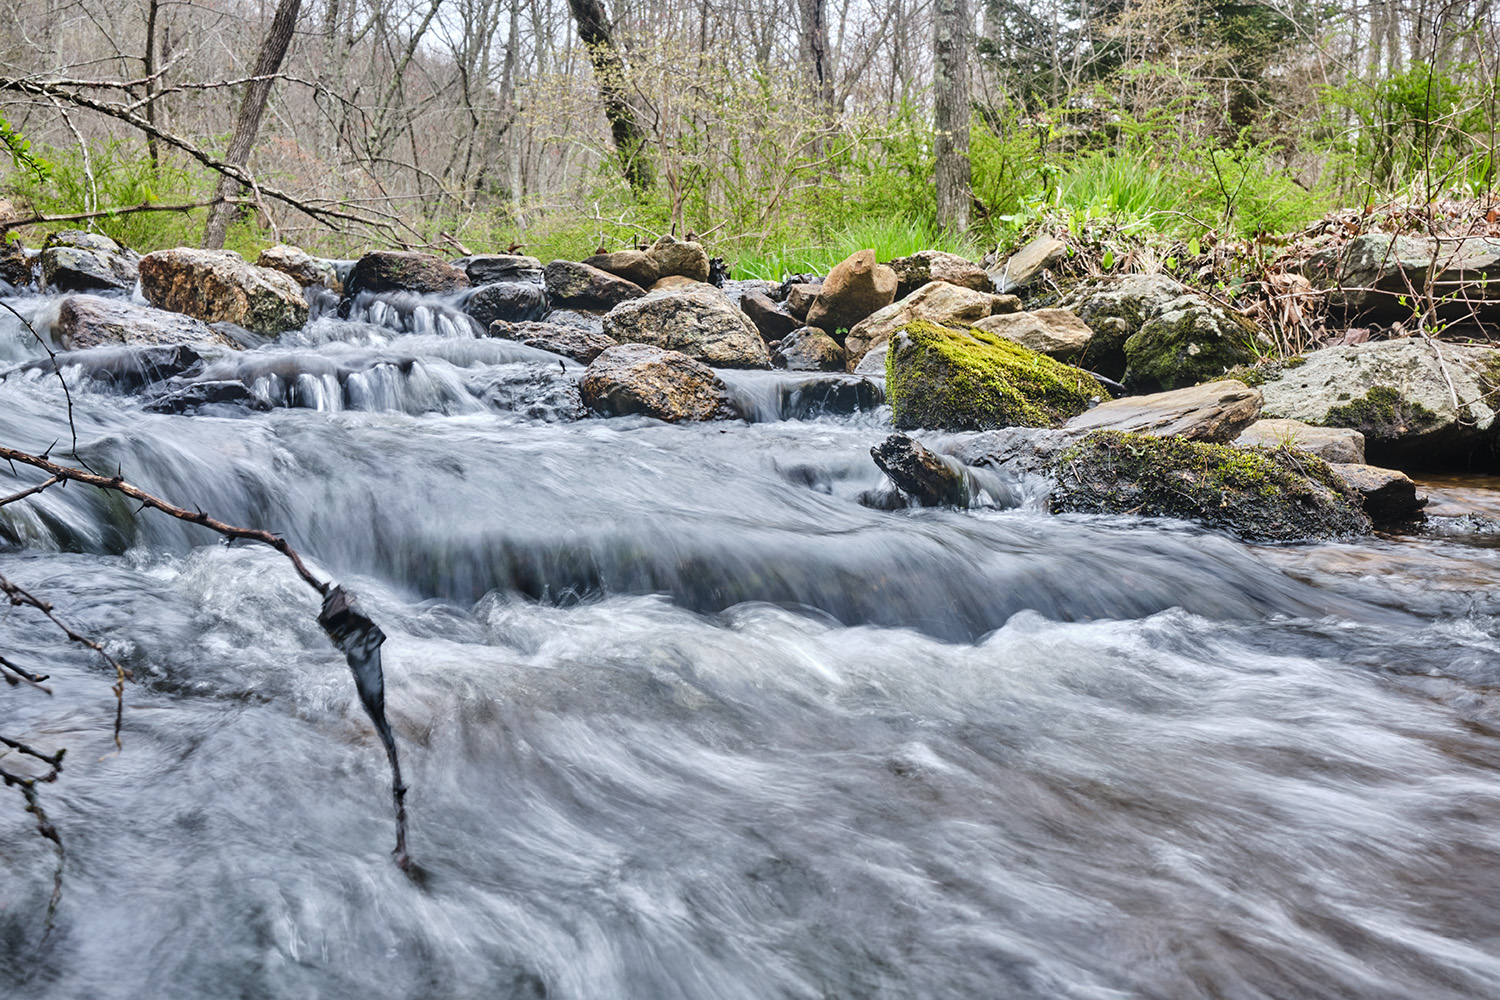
683 719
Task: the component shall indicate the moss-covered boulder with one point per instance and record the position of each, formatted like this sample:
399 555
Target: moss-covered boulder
937 377
1191 340
1279 495
1115 309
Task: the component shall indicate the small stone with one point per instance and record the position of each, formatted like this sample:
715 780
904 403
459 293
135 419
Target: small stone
936 265
301 266
1016 272
768 318
687 259
800 297
855 288
1388 495
808 349
928 478
488 268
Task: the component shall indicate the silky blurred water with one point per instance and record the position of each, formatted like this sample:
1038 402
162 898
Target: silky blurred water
682 718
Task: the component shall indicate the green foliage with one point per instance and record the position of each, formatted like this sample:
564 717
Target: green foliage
21 157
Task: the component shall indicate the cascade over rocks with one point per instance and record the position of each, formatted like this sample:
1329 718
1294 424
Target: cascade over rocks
1396 393
768 317
698 321
73 260
582 286
127 368
1057 333
85 321
302 266
936 265
569 341
635 266
220 286
1334 445
216 398
935 302
510 301
856 287
488 268
808 349
668 385
1383 278
685 259
1216 412
403 271
972 381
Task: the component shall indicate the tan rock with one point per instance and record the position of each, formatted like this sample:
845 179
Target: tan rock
221 286
85 321
936 265
1388 495
687 259
301 266
1215 412
698 320
668 385
1019 268
1057 333
1331 444
855 288
675 281
937 302
632 265
799 299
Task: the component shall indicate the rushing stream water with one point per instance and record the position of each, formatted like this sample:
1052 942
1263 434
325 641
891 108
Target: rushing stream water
682 719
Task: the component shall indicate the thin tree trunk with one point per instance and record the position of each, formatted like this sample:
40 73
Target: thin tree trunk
609 72
247 122
149 63
951 113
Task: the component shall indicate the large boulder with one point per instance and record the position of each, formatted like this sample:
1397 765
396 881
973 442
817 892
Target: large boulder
15 265
302 266
668 385
808 349
1334 445
569 341
74 261
1115 309
511 301
686 259
1417 402
1018 270
1277 495
855 288
1215 412
573 284
635 266
698 321
769 318
1384 277
936 265
488 268
1191 340
85 321
220 286
937 377
1057 333
935 302
403 271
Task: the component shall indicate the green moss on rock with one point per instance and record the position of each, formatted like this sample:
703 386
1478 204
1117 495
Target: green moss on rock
1190 342
1383 413
936 377
1259 494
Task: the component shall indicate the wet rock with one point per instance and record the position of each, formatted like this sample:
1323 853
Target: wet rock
301 266
832 394
973 381
935 302
219 285
1277 495
1057 333
855 288
935 265
633 265
1189 341
403 271
510 301
569 341
570 283
668 385
488 268
217 398
73 260
1387 495
800 297
124 369
1215 412
1020 450
1396 393
1379 277
1335 445
927 477
1017 270
673 257
873 363
769 319
85 321
735 291
1116 309
808 349
540 392
590 322
15 265
698 321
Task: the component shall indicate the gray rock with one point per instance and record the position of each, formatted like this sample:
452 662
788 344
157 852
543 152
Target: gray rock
685 259
873 363
668 385
930 479
1017 270
769 319
215 396
541 392
511 301
1387 495
125 368
403 271
1335 445
570 283
935 302
85 321
936 265
1116 309
1191 340
1057 333
301 266
698 321
1215 412
569 341
1384 277
73 260
808 349
488 268
15 265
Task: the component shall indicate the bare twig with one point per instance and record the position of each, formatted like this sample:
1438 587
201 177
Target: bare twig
110 213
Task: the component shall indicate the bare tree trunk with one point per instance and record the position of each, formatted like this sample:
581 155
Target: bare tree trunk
148 62
814 51
950 88
609 72
247 122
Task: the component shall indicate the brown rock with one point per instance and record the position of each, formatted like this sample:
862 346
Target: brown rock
1214 412
855 288
698 320
569 341
689 260
772 322
673 282
937 302
633 265
1057 333
809 349
1331 444
800 297
15 266
301 266
1388 495
668 385
935 265
220 286
85 321
403 271
571 284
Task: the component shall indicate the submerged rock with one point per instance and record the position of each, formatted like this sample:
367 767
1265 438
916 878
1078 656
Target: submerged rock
936 265
856 287
1274 495
698 321
219 285
540 392
218 398
85 321
1334 445
403 271
927 477
571 284
1215 412
510 301
125 368
73 260
668 385
973 381
301 266
935 302
569 341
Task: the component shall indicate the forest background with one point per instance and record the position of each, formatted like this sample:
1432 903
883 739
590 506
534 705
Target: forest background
785 135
